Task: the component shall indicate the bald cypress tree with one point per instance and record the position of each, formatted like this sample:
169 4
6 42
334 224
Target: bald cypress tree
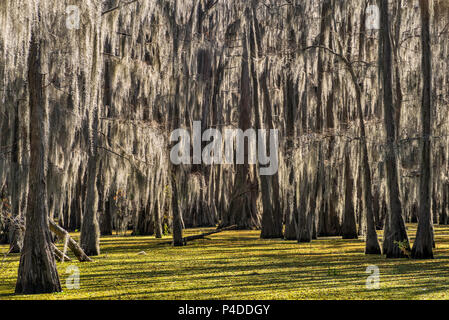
396 239
37 269
422 247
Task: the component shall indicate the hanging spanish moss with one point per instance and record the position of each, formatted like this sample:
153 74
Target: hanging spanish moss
118 83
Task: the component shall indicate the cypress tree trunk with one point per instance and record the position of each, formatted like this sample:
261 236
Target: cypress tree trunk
144 226
372 243
157 220
397 235
271 215
291 104
106 218
37 269
242 209
90 229
303 212
291 216
177 223
177 218
422 247
349 227
310 186
273 228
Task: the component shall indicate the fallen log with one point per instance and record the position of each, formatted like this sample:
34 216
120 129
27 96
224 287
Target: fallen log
62 234
203 235
59 255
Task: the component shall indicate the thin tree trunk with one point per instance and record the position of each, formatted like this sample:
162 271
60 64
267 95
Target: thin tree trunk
291 216
177 223
349 227
422 247
157 220
399 97
300 211
177 218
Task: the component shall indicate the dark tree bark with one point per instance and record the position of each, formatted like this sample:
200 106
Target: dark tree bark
291 216
74 210
271 215
396 240
443 218
305 209
106 218
306 229
291 102
242 208
326 226
272 222
372 242
349 227
422 247
177 218
157 220
177 223
396 52
37 269
90 229
144 226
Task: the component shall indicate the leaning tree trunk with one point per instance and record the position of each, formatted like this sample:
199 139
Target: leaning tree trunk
65 236
37 269
396 240
422 247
